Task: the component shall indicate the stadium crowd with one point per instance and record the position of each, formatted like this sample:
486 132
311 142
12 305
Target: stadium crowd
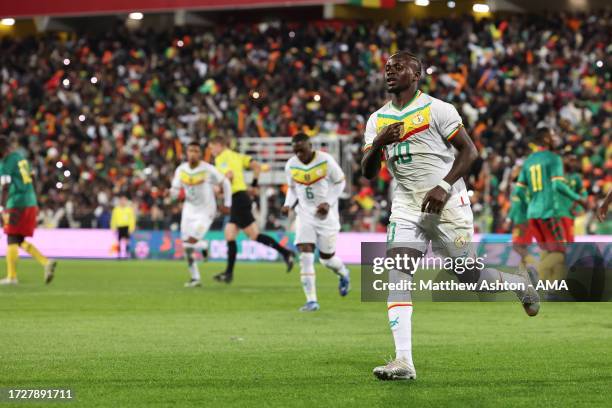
107 113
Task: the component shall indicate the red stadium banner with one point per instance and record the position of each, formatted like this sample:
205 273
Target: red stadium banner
91 7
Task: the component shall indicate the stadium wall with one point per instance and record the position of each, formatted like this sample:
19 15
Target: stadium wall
102 244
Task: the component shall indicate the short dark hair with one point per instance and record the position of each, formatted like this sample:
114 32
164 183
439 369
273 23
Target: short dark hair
300 137
540 133
411 57
219 140
194 143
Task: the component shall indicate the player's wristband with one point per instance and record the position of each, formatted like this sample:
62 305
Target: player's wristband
447 187
254 182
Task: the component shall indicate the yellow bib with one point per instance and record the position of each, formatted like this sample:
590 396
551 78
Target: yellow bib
309 175
192 179
415 121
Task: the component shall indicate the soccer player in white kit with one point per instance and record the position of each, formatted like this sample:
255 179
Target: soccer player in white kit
315 184
197 178
428 152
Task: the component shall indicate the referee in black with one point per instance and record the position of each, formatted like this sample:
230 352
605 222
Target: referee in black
232 164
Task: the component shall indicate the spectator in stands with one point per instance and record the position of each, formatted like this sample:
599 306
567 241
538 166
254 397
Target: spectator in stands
109 112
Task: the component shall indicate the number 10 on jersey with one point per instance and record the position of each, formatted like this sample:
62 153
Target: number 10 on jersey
402 152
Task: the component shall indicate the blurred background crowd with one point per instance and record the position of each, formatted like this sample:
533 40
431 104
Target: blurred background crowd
102 114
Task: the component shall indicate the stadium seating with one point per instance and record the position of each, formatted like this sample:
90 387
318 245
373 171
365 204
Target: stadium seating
113 109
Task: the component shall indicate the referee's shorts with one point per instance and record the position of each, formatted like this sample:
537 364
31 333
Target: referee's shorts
123 233
240 214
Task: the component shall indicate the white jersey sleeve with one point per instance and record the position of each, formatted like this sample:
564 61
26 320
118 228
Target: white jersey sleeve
176 185
336 181
446 119
334 172
215 176
291 197
370 132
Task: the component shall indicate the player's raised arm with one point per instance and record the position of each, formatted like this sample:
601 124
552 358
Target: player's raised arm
466 155
373 151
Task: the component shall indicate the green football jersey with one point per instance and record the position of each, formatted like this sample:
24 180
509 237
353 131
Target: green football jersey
518 208
574 181
16 171
542 178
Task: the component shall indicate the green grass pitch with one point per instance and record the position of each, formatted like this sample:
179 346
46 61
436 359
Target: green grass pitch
128 334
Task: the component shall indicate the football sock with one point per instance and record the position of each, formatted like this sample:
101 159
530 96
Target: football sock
269 241
193 266
307 276
559 270
12 255
400 322
34 253
552 265
399 311
232 251
335 264
530 261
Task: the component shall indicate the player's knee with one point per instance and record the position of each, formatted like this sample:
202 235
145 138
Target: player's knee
15 239
324 257
327 262
305 248
252 233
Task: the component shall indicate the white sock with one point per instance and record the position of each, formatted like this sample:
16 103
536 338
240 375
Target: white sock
195 271
192 264
307 276
335 264
400 322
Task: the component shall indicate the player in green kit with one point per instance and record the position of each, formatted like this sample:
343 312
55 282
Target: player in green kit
522 236
541 184
19 212
569 207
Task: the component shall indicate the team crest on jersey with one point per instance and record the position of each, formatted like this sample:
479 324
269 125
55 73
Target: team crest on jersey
418 119
460 241
309 175
192 179
415 121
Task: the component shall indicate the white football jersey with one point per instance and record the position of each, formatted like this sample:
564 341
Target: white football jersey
424 155
198 184
312 182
